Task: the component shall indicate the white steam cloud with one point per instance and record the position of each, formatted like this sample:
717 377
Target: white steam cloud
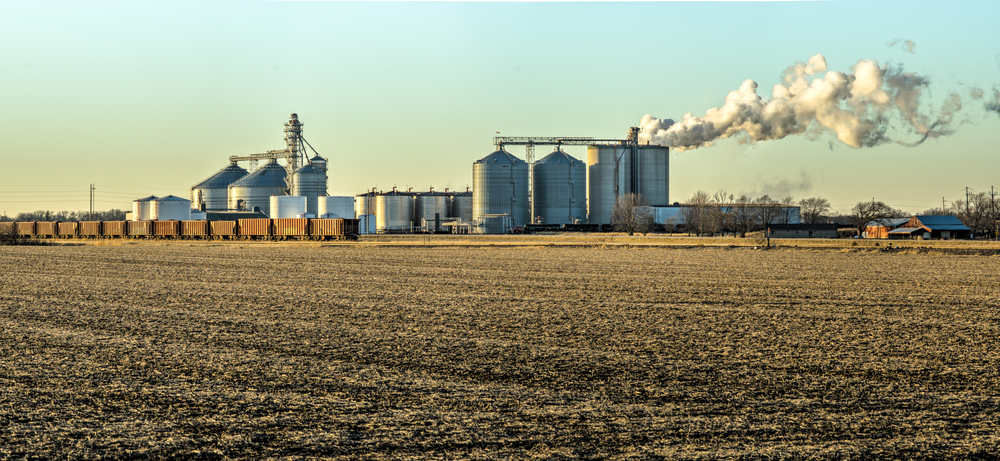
859 108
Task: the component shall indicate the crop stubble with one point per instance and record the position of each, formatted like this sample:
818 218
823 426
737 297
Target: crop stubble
259 351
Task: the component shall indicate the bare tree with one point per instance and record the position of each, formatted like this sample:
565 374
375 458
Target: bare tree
979 212
812 210
632 214
787 213
767 210
744 216
696 213
872 212
722 211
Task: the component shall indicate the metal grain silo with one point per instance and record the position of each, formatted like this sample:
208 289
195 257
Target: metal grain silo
318 162
461 206
500 186
142 208
170 208
652 164
427 204
603 177
365 203
256 189
309 182
393 210
559 189
214 191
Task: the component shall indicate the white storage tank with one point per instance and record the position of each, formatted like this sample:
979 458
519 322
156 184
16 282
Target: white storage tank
341 206
309 182
287 206
142 208
170 208
461 206
393 210
198 215
366 224
429 204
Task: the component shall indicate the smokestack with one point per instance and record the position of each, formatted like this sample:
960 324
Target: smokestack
859 108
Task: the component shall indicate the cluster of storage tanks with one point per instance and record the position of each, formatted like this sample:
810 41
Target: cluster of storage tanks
233 188
169 208
401 211
563 189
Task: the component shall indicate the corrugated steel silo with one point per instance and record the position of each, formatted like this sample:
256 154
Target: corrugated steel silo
309 182
461 206
559 189
500 186
318 162
214 191
601 180
170 208
256 189
653 174
365 203
142 208
429 203
393 210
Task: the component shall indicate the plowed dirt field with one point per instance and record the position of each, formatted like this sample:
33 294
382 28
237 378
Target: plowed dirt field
266 351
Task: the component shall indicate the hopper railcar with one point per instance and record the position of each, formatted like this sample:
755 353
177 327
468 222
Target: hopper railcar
241 229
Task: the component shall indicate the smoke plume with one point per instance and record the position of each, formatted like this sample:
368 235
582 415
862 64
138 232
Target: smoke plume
994 105
858 107
908 45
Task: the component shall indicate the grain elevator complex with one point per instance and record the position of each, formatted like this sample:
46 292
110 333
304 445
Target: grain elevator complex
507 192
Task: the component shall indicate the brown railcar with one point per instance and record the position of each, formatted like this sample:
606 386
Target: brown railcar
139 229
166 229
90 229
222 229
194 229
114 228
46 229
68 229
291 227
254 228
26 228
352 227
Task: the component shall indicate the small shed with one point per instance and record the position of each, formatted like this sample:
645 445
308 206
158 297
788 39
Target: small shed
880 229
944 227
802 231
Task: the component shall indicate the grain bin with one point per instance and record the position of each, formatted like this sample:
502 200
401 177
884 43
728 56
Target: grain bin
309 182
500 187
393 210
341 206
364 203
287 206
652 164
603 176
256 189
559 189
461 206
170 208
428 204
142 208
213 192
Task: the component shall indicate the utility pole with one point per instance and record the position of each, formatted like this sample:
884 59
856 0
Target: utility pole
91 201
966 200
943 210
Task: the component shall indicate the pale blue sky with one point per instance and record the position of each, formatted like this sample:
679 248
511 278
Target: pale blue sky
148 98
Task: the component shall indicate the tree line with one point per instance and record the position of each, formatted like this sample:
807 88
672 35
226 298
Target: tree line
721 213
66 216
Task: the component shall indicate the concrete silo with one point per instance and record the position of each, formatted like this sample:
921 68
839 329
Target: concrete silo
256 189
559 189
213 192
500 187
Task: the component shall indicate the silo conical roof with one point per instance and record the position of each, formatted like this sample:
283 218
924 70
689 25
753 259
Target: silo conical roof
557 158
146 199
223 178
500 156
171 198
309 169
269 175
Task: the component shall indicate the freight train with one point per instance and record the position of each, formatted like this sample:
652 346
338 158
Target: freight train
241 229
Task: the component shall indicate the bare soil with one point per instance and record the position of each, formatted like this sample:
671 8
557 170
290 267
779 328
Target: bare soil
355 351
